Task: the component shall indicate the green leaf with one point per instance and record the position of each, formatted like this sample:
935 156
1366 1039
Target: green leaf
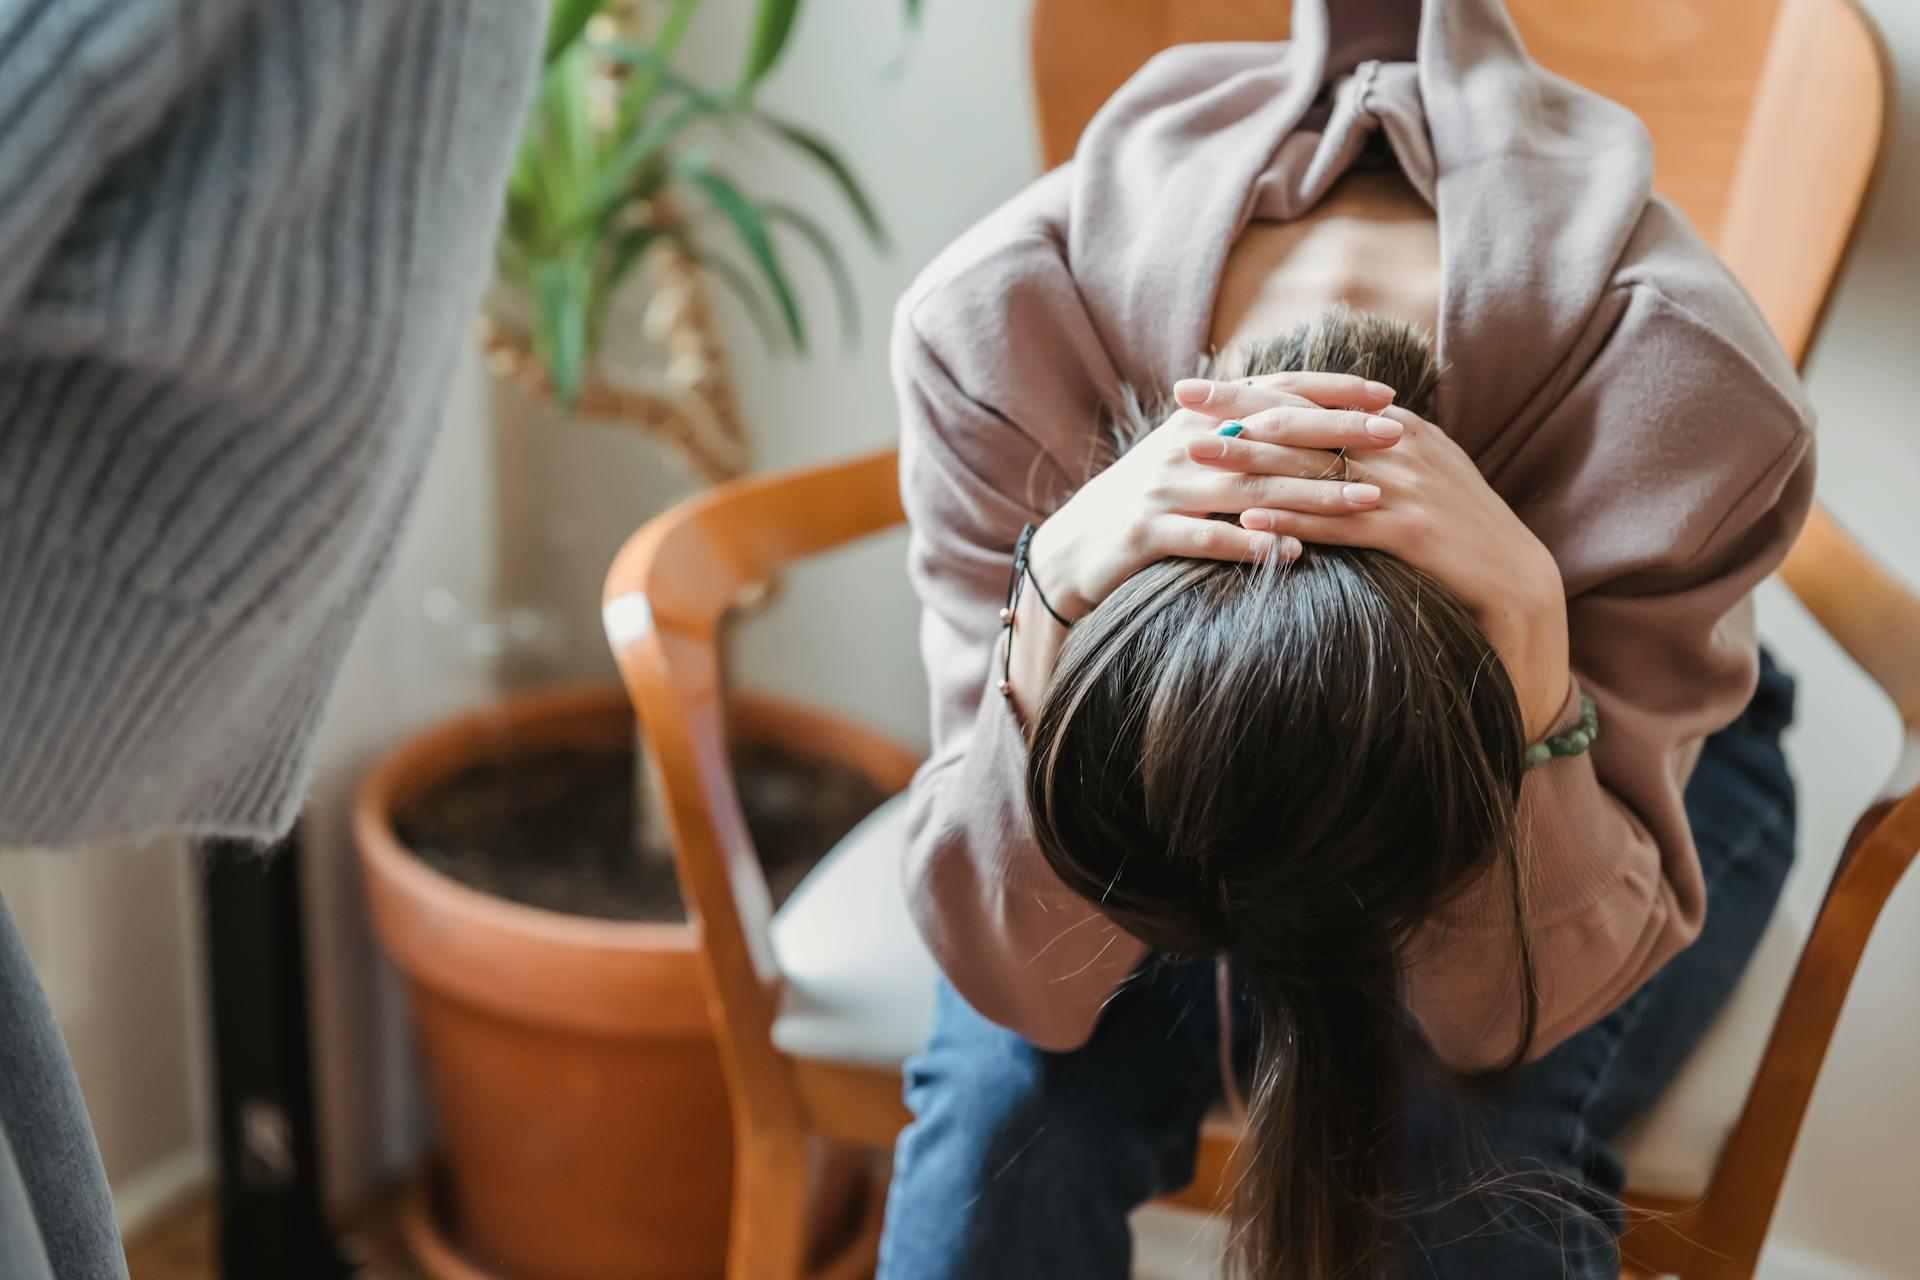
735 277
845 296
772 23
560 327
574 146
568 20
623 255
651 69
650 60
750 224
619 179
510 260
822 153
616 262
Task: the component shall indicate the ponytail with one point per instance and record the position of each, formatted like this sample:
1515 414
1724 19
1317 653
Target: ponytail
1321 1154
1301 768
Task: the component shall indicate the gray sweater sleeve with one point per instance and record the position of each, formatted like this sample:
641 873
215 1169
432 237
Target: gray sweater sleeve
240 246
81 81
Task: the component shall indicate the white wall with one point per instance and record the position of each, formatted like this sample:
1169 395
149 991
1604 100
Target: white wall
112 932
409 665
940 128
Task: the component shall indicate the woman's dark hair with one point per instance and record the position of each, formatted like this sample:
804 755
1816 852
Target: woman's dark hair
1299 765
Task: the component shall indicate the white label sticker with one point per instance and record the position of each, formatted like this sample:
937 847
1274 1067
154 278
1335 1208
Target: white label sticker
626 619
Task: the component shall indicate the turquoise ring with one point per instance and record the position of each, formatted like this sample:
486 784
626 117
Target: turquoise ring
1232 429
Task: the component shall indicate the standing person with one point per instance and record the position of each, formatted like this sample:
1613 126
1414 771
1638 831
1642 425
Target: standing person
240 245
1427 870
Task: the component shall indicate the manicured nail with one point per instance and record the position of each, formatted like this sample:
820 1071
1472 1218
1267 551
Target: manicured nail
1231 429
1384 428
1192 390
1256 520
1380 389
1360 494
1208 447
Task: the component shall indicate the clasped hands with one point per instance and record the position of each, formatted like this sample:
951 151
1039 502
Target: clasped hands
1326 459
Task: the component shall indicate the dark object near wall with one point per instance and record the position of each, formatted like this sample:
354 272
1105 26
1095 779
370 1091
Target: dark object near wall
271 1226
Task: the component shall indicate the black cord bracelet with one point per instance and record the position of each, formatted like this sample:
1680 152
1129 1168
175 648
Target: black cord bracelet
1021 575
1021 565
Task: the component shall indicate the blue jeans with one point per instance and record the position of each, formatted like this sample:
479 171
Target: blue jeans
1022 1163
56 1214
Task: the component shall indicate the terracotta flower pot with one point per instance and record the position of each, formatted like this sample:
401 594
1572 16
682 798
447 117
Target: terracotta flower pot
582 1114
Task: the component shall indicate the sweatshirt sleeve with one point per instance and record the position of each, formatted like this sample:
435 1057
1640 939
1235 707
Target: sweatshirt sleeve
1694 475
80 81
1016 944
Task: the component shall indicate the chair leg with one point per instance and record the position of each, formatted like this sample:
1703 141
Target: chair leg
769 1233
849 1210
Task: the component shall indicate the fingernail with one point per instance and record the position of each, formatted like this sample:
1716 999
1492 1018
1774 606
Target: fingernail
1380 389
1290 548
1208 447
1360 493
1192 390
1257 519
1231 429
1384 428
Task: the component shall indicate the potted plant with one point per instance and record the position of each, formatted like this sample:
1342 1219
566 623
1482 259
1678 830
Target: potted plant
582 1116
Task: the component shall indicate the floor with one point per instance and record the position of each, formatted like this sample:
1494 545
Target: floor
181 1247
1171 1244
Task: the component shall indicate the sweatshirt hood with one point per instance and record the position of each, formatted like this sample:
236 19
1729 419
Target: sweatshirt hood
1452 90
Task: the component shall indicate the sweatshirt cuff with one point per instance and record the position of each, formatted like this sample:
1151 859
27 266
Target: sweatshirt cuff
145 715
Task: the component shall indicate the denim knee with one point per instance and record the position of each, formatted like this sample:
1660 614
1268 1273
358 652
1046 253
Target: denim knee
1004 1113
1022 1163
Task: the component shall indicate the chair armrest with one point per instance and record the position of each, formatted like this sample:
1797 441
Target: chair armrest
1871 614
665 596
686 567
1754 1164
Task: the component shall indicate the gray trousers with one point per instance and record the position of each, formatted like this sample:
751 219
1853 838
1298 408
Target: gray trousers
56 1216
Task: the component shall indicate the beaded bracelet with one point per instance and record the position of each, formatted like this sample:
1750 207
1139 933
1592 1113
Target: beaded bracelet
1570 743
1021 575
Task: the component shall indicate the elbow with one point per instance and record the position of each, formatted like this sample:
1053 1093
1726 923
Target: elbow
982 968
1006 955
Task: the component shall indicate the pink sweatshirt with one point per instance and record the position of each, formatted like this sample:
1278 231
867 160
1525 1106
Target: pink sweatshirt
1613 382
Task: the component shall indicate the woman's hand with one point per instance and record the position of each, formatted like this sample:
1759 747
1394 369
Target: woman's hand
1432 508
1156 500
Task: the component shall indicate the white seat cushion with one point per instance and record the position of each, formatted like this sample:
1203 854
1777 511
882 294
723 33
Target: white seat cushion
859 989
1673 1149
859 982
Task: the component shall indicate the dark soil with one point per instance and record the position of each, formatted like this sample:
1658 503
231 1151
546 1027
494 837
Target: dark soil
555 829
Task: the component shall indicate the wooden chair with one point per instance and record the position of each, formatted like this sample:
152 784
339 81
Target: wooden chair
1767 121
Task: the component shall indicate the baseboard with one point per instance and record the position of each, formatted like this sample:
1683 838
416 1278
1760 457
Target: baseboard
160 1187
1172 1244
1785 1262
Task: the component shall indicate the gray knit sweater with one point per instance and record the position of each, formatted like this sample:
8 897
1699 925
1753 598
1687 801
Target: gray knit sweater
240 244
